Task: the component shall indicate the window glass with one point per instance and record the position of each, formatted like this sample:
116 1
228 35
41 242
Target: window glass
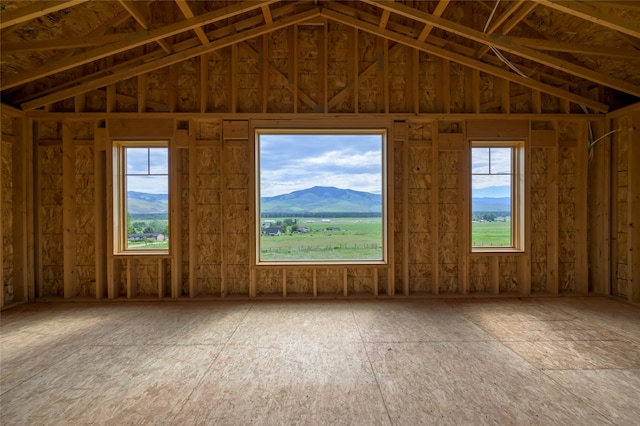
142 198
321 197
496 202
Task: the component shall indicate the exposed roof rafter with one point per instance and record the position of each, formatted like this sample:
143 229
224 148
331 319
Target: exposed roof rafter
508 45
464 60
172 59
132 41
592 13
34 10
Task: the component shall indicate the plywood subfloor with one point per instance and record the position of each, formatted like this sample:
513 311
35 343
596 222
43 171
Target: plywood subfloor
489 361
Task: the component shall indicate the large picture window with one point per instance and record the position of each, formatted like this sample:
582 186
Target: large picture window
497 197
141 197
320 196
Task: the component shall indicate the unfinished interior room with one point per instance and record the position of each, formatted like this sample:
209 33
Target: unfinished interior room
320 212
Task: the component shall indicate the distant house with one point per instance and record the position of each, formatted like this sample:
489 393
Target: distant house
148 235
303 230
273 231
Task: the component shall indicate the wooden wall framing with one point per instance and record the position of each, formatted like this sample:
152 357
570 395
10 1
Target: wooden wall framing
581 227
212 219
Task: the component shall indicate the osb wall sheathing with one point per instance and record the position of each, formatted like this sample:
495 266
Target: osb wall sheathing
567 227
219 80
539 181
188 92
424 174
235 214
339 68
6 203
308 67
450 226
248 71
85 223
184 212
279 46
51 253
209 210
620 284
419 188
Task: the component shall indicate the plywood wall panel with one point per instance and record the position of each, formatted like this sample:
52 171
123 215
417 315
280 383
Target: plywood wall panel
219 80
6 229
339 53
188 90
567 226
184 243
300 281
457 87
50 215
620 283
330 281
508 274
369 60
269 281
147 276
479 275
279 94
308 68
85 216
398 76
427 83
249 98
128 88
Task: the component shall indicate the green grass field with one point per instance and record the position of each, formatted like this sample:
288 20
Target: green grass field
491 234
358 239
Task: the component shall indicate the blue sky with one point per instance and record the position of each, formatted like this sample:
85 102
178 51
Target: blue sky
142 162
293 162
496 161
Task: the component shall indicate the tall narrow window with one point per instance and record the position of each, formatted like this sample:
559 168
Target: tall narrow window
497 186
321 196
141 197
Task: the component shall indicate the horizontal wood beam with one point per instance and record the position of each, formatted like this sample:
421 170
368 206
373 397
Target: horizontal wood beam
447 44
464 60
171 59
505 43
34 10
72 43
157 54
557 46
592 13
132 41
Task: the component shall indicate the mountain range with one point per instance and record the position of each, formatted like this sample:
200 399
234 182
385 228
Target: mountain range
488 204
142 202
321 199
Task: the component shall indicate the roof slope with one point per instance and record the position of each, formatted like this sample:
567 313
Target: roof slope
585 53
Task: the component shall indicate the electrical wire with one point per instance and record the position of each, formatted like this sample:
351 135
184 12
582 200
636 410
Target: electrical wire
515 69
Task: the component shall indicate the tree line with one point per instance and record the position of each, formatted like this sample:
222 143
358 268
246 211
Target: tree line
278 215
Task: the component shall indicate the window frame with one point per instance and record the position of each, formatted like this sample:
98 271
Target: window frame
384 134
517 195
120 195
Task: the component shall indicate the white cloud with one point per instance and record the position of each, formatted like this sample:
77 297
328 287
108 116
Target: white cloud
293 162
148 184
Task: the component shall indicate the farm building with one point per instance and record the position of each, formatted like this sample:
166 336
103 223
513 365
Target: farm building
119 112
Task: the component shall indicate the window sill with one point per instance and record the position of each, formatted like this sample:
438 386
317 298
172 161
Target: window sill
154 253
497 252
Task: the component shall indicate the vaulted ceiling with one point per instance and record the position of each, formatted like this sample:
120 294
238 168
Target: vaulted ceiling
584 52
